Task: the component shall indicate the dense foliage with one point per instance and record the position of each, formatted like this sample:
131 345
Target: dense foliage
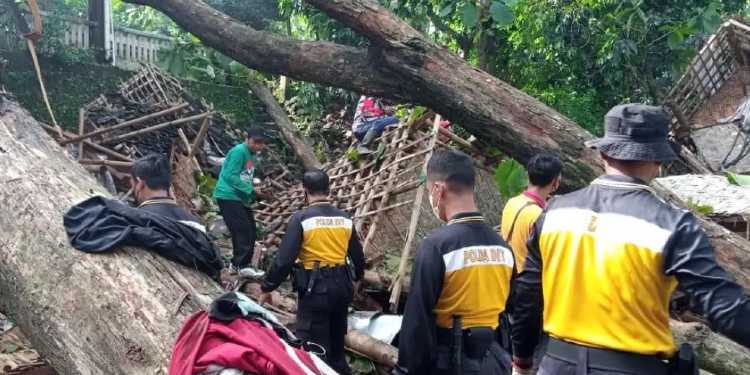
579 56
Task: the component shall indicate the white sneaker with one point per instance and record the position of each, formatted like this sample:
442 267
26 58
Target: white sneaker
252 273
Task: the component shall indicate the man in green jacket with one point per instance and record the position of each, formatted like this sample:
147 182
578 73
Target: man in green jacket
235 193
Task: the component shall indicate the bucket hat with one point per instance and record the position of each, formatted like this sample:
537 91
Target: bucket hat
636 132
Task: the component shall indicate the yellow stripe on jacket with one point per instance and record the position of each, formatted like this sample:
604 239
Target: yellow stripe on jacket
603 281
475 286
325 239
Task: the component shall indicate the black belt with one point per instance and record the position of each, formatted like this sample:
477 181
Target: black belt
604 359
476 340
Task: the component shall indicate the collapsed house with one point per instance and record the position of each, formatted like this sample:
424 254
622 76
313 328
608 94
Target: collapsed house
710 102
715 197
383 195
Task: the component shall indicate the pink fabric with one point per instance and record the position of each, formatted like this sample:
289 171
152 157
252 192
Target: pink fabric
241 344
370 108
536 198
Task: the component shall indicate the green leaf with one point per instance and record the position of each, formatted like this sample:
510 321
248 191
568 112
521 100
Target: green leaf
738 179
674 39
511 178
501 14
447 10
471 15
9 349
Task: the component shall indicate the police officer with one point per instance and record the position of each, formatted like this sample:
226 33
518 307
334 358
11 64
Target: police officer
461 275
609 256
318 239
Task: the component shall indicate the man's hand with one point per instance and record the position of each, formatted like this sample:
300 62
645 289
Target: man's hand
265 298
523 366
262 194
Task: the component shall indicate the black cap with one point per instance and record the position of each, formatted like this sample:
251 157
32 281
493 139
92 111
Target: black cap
636 132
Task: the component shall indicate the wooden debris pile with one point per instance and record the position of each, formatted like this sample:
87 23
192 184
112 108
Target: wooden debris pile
381 193
150 113
17 357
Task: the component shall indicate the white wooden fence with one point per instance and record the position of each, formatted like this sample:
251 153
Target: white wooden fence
129 47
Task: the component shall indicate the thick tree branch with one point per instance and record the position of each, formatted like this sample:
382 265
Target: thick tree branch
327 63
402 64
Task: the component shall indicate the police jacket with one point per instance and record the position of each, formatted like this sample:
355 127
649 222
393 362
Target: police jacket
168 207
319 233
99 225
603 262
463 268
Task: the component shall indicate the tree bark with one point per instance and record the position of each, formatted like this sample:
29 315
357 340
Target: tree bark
402 64
717 354
297 141
114 313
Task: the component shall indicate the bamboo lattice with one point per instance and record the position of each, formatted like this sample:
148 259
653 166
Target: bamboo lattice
367 189
722 56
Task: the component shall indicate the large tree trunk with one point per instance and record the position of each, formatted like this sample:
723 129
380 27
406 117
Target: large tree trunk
716 353
112 313
297 141
402 64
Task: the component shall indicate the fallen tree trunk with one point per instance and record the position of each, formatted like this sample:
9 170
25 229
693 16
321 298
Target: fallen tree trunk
297 141
112 313
400 63
717 354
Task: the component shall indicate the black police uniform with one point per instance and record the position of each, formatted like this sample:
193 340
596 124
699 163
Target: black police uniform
318 239
168 207
603 262
462 269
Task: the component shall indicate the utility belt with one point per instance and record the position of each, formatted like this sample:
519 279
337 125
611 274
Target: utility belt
305 280
683 363
474 341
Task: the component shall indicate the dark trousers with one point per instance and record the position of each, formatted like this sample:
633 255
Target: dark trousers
378 125
241 224
322 314
564 358
495 362
554 366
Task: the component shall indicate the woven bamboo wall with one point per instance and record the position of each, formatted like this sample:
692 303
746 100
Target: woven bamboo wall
719 61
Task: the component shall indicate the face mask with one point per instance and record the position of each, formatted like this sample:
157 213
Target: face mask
435 208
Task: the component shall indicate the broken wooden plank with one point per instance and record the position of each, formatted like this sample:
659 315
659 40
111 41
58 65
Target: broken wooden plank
154 128
125 124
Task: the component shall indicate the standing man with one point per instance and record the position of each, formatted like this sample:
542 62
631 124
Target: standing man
319 239
235 192
459 284
151 180
521 212
603 262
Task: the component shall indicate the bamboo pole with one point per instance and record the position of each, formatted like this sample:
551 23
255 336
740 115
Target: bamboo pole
35 60
154 128
188 148
81 130
90 144
125 124
108 163
201 135
397 285
379 210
